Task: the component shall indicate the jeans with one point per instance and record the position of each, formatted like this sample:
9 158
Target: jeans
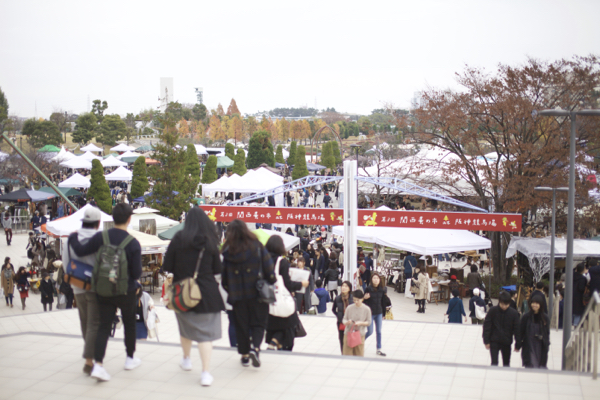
504 349
107 309
376 320
9 297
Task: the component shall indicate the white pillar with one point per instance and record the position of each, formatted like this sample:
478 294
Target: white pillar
350 223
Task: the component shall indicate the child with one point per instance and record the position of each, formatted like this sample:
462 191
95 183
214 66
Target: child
500 326
323 296
166 288
359 315
47 291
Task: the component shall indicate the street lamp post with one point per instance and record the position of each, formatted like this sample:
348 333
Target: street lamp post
552 238
568 304
355 146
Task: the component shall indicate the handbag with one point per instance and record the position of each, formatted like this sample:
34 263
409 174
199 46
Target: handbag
314 299
388 314
78 274
185 294
353 338
300 331
266 292
284 305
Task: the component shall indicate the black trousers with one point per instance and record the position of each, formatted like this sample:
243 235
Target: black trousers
107 308
250 322
504 349
341 337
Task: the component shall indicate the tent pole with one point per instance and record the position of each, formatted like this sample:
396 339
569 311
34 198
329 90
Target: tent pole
36 169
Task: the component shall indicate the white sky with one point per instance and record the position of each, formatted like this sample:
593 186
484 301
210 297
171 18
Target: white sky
351 55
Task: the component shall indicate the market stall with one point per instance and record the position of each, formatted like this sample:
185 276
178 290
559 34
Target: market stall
122 148
91 147
119 174
75 181
111 161
77 163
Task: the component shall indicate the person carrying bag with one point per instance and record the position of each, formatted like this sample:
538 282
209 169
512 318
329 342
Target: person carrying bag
185 294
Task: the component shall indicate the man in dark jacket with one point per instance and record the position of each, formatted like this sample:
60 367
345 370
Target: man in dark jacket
579 284
500 326
410 262
594 270
326 199
476 300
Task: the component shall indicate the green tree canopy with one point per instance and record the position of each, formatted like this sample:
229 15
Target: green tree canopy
279 155
111 129
230 151
335 150
300 170
98 108
99 188
85 128
139 182
199 112
292 156
209 175
260 150
239 163
3 110
192 166
327 158
41 133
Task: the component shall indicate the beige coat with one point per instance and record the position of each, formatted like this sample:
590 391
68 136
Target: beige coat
423 293
8 284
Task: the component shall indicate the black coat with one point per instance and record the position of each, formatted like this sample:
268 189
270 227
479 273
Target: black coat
181 261
500 326
527 336
47 291
374 302
579 284
278 323
338 307
331 275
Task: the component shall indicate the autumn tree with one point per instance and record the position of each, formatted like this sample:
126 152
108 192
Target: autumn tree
220 111
251 126
292 157
300 170
279 155
184 129
260 150
283 129
215 129
233 109
295 130
236 128
495 148
225 127
239 163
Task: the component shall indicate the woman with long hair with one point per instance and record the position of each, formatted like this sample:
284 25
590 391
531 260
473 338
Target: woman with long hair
23 284
331 279
535 335
197 243
282 331
244 259
8 281
340 304
374 299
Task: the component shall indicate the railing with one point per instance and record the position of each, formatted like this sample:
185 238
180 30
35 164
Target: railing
581 353
20 224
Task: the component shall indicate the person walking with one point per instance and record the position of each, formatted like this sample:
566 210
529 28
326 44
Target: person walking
579 284
23 284
476 300
197 246
500 326
107 306
422 290
340 304
281 331
410 263
374 300
356 315
87 301
474 280
244 261
331 279
534 340
456 309
47 291
8 281
7 225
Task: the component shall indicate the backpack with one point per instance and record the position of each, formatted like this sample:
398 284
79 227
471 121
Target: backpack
110 273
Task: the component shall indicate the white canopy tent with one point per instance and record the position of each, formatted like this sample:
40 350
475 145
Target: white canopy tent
162 223
289 241
119 174
91 147
254 181
63 155
144 210
122 147
129 154
112 162
537 251
76 181
200 150
77 163
89 156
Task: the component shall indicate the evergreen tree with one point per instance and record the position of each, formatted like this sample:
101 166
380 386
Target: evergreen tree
279 155
292 156
139 181
99 188
239 164
192 168
300 169
210 170
335 150
260 150
170 174
230 151
327 158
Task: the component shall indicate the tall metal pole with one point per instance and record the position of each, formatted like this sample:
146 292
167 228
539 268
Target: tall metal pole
568 305
551 291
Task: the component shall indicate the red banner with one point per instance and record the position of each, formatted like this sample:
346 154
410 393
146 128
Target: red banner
335 216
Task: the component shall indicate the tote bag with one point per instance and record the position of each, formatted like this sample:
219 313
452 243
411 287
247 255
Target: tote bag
353 337
284 305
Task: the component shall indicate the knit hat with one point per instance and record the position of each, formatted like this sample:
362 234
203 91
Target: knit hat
453 277
475 292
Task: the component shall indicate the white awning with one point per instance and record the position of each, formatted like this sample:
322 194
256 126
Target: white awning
77 163
112 162
122 147
89 156
91 147
76 181
119 174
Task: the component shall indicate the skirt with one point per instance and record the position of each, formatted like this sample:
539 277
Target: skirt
205 327
332 285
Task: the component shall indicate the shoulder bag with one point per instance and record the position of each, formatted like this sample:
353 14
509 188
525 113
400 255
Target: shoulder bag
284 305
353 338
185 294
266 292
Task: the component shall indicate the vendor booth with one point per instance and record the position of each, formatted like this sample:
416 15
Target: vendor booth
119 174
75 181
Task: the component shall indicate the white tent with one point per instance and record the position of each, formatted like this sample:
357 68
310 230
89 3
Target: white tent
162 223
144 210
119 174
112 162
77 163
89 156
289 241
150 244
63 155
200 150
76 181
129 154
91 147
122 147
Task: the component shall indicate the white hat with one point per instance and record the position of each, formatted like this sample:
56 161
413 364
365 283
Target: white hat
91 214
475 292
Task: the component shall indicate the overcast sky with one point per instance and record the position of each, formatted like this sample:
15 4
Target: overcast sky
351 55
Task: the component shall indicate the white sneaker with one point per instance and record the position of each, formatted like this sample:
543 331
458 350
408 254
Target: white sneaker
206 379
186 364
132 363
100 373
